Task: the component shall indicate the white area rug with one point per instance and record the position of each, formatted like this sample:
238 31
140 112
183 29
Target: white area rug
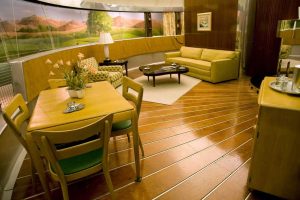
166 90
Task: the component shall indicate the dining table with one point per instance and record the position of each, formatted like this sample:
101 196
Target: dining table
100 99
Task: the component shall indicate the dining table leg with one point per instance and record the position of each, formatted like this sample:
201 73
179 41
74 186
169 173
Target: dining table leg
136 146
38 164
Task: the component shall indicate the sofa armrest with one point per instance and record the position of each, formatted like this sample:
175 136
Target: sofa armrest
224 69
111 68
172 54
99 76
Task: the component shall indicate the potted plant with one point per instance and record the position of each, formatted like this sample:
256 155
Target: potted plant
76 84
75 80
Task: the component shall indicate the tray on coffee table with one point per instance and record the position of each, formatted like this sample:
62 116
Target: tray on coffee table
162 69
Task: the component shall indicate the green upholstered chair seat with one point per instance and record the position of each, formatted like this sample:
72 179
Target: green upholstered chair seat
78 163
121 125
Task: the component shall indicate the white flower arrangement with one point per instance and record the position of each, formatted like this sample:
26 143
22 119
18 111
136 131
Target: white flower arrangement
74 80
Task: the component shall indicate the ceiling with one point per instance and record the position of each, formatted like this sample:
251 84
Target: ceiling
122 5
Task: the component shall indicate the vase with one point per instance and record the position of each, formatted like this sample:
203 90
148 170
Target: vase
80 93
76 93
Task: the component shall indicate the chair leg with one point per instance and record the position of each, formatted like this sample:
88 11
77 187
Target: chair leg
64 189
128 137
108 182
141 146
33 177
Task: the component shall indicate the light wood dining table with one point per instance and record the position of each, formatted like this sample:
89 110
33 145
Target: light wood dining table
100 99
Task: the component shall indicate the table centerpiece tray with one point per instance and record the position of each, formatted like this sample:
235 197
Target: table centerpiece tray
288 89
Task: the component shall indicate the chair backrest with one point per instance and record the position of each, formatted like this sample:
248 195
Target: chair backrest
15 114
137 96
74 142
90 62
56 83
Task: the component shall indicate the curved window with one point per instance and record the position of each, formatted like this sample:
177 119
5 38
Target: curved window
27 28
157 24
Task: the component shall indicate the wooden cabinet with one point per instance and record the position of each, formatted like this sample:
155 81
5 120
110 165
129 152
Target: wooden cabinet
275 164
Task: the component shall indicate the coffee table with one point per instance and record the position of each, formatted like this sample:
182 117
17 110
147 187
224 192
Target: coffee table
162 69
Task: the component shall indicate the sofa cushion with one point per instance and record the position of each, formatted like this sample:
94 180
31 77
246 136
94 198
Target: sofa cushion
91 69
213 54
99 76
201 64
194 70
190 52
113 76
89 61
89 65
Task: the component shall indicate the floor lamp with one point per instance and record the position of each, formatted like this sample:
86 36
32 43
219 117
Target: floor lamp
105 39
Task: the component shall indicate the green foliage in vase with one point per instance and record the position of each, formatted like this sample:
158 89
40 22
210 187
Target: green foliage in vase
75 81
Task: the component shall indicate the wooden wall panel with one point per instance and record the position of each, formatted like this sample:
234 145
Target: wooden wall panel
36 72
266 46
224 23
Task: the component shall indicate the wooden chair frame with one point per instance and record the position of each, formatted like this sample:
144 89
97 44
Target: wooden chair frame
47 141
136 99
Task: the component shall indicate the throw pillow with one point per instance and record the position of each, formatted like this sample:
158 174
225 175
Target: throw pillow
190 52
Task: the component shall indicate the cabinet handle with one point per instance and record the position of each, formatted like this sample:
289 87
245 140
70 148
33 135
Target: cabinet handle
257 135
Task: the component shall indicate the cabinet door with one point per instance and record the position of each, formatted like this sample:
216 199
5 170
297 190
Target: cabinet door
275 164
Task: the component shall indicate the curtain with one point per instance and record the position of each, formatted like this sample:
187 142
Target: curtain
169 23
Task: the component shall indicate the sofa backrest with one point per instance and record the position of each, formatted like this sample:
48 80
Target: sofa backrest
214 54
191 52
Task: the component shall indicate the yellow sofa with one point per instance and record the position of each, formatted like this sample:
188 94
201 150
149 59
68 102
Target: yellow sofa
207 64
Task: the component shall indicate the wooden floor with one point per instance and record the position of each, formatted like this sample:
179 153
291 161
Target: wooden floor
197 148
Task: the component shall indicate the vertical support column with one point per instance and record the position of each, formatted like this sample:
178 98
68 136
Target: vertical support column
148 24
177 23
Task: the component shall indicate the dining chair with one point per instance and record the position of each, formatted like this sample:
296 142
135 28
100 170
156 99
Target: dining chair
77 153
133 92
16 114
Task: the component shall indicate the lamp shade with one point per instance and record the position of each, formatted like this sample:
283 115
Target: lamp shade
105 38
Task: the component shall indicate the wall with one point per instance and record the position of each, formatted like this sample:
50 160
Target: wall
224 23
10 152
266 46
30 74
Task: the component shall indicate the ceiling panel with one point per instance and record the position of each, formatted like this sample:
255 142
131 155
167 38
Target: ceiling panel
121 5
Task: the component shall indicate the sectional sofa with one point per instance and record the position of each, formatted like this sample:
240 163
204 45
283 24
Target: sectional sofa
207 64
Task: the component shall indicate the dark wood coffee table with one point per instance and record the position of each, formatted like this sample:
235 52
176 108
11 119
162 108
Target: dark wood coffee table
162 69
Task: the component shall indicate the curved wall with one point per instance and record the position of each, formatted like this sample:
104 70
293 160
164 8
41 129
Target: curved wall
30 74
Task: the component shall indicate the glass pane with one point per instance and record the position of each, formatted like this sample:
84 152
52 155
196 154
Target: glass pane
8 48
31 26
67 26
157 24
127 25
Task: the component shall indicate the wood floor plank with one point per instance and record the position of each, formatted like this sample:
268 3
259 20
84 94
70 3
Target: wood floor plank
235 187
147 137
198 147
165 179
160 145
207 179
